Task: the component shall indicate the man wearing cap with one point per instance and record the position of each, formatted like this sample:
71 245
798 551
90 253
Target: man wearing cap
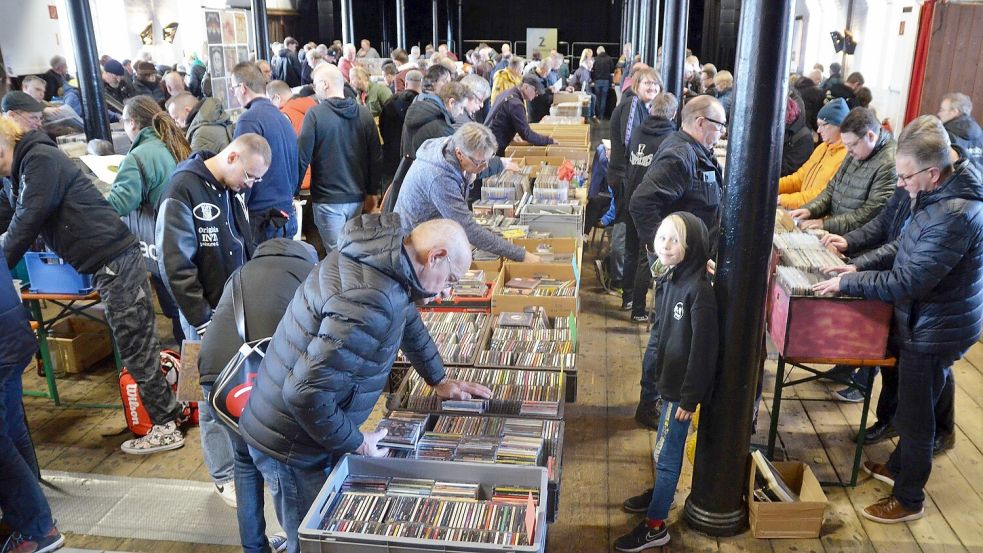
23 110
508 115
810 180
115 88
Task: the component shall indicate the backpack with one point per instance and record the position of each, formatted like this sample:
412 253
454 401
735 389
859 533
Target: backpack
137 418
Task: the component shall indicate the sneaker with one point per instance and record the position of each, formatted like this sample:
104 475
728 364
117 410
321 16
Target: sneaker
642 537
943 442
227 492
278 542
626 305
160 438
602 273
639 318
879 472
614 291
877 433
639 503
19 543
890 511
849 395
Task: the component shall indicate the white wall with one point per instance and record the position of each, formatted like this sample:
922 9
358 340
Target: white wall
29 37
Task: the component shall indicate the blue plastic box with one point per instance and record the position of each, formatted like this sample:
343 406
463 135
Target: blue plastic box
49 274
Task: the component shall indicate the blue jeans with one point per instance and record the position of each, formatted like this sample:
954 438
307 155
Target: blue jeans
293 489
215 444
23 504
673 436
249 497
592 110
330 220
601 88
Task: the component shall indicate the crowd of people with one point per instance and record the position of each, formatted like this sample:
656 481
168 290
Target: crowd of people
206 207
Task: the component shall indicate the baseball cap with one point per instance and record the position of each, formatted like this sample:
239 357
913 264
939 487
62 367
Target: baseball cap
16 100
114 67
534 82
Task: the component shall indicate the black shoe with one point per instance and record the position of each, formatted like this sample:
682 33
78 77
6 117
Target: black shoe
640 318
647 415
638 503
642 537
626 306
877 433
943 442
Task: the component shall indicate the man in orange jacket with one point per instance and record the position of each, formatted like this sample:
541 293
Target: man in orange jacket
810 180
294 107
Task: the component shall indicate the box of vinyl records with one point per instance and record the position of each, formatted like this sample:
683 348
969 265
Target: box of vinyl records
375 505
784 500
551 286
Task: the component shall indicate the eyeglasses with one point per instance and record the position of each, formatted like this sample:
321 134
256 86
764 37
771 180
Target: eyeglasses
477 163
647 82
720 124
36 118
904 178
249 179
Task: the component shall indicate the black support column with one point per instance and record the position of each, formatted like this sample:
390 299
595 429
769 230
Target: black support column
325 19
401 25
436 24
89 72
261 30
347 23
674 46
716 505
460 33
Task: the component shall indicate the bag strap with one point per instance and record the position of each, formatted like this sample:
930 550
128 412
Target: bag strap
237 306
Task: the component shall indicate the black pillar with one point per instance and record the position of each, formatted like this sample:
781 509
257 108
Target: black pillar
325 19
89 71
401 25
347 23
436 24
450 35
624 25
650 54
261 30
460 33
674 46
716 505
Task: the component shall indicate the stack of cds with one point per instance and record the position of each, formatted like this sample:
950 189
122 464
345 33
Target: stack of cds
543 287
522 392
796 281
456 335
523 340
404 429
804 251
471 284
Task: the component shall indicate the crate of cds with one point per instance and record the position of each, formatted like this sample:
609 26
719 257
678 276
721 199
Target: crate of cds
555 251
551 286
534 394
479 439
375 505
531 340
472 292
558 218
458 336
805 326
502 193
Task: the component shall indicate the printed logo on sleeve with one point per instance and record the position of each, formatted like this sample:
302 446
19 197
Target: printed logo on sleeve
206 212
677 311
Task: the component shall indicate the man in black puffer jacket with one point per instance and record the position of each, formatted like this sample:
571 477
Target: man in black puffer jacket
956 112
331 354
936 286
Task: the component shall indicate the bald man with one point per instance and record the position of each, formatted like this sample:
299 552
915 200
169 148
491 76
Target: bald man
206 124
331 354
173 83
340 143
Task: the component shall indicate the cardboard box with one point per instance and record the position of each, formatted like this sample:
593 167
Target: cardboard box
559 245
523 151
493 266
555 306
799 519
77 343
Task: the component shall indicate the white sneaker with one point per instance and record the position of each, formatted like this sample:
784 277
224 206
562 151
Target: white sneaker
278 542
160 438
227 492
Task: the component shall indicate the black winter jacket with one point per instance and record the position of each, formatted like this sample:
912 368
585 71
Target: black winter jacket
623 113
269 281
936 280
426 118
203 235
646 139
340 143
798 146
603 67
686 332
872 247
684 177
813 97
965 133
331 354
286 67
48 194
17 342
391 128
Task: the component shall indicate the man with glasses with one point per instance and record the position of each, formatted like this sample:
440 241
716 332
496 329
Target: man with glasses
26 112
956 113
683 177
508 115
438 183
933 274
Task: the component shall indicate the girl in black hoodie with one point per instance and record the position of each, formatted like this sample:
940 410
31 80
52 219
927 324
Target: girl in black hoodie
685 348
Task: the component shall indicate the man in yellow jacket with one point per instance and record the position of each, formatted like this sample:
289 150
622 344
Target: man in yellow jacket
810 180
508 78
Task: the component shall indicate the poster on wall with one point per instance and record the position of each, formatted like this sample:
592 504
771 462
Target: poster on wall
213 26
228 44
241 30
216 62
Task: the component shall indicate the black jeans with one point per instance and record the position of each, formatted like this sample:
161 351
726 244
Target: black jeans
921 378
945 412
168 305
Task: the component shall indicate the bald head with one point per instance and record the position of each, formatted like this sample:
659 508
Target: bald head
440 252
704 119
179 107
279 93
328 82
174 83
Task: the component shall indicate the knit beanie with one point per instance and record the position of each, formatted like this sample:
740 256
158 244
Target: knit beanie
834 112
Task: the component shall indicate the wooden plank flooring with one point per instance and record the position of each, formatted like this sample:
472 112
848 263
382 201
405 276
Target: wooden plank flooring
607 456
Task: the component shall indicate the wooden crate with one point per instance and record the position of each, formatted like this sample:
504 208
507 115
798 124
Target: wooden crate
77 343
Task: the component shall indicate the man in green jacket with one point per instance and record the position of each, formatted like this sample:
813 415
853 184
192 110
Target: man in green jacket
207 125
371 95
863 184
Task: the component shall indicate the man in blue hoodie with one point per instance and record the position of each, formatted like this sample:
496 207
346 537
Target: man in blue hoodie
339 141
270 202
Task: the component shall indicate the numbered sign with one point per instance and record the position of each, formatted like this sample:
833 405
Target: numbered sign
540 40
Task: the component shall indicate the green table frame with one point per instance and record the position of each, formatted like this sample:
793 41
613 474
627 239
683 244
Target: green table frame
834 376
68 305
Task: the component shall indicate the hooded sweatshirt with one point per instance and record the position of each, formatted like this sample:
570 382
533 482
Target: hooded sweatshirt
340 143
426 118
646 139
686 332
330 357
269 281
209 127
49 195
280 182
966 133
203 235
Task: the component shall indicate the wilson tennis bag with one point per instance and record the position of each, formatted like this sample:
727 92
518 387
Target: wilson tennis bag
137 418
234 384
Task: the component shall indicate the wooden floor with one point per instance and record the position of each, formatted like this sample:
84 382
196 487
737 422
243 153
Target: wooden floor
607 457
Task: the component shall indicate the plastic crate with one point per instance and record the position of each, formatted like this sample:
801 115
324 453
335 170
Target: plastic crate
315 540
49 274
552 219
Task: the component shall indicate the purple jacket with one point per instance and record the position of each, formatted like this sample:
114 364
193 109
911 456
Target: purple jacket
508 118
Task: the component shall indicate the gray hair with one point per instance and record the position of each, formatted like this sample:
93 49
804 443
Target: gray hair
478 86
959 102
475 139
414 76
664 106
57 61
926 141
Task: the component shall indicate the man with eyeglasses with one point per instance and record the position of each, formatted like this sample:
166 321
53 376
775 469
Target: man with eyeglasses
863 184
685 176
933 274
26 112
508 116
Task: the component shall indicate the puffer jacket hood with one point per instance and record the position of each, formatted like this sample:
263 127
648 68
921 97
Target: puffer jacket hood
964 183
965 127
284 247
208 112
697 247
425 109
346 108
377 242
